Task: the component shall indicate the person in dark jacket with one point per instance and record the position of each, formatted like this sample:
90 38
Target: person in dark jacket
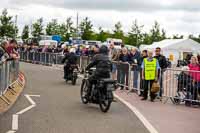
69 60
123 70
103 66
136 63
163 65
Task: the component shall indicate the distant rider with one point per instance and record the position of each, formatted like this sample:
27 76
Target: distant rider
70 61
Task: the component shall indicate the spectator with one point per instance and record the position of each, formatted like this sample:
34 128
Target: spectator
163 65
194 67
198 57
124 68
11 49
150 67
114 57
3 53
94 50
143 56
136 63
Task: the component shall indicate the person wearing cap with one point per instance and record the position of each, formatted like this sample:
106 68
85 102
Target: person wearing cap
69 59
150 67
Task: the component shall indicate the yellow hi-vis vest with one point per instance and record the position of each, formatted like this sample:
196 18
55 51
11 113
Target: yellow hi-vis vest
150 69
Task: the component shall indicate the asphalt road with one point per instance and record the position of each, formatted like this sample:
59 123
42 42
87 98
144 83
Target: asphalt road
59 109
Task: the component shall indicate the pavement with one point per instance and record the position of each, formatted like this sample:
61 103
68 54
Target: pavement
59 108
165 117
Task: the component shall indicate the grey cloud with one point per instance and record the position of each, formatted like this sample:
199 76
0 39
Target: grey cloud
119 5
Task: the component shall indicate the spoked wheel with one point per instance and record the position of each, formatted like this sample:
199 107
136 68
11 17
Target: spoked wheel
105 101
84 89
74 78
176 100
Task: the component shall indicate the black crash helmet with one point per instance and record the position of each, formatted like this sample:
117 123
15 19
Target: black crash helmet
103 50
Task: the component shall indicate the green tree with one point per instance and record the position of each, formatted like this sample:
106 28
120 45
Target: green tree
118 32
37 28
102 35
177 36
86 29
25 32
67 30
135 36
197 39
163 35
7 26
53 28
146 39
155 33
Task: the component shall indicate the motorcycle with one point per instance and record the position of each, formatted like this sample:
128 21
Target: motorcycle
100 93
73 74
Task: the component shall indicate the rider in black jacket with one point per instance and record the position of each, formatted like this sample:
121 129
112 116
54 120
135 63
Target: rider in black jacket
69 60
103 65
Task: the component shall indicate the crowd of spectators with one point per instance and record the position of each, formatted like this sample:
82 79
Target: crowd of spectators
123 59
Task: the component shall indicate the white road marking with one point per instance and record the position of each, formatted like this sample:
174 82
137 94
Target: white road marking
25 110
146 123
30 100
11 131
15 122
16 116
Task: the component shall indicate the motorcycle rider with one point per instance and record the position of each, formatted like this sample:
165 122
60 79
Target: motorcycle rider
69 60
103 66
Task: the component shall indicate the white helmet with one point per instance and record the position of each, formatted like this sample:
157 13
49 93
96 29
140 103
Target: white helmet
72 50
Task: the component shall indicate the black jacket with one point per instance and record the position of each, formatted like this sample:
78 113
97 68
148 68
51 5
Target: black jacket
70 59
103 65
162 61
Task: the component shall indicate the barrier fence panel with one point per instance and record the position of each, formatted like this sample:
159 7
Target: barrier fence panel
84 62
8 74
136 79
122 72
182 86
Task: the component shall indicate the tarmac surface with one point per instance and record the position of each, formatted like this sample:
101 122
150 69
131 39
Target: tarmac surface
59 108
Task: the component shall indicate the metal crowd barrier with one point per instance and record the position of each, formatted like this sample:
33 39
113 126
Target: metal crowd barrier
182 86
51 58
8 74
122 72
41 58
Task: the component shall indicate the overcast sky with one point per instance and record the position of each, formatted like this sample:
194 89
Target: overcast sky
175 16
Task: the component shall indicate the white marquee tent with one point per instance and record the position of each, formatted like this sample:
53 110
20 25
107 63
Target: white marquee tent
175 47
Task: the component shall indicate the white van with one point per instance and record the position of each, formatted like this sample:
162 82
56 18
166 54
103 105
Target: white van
48 43
117 42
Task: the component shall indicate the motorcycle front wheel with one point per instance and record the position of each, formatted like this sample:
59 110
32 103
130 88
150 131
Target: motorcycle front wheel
105 101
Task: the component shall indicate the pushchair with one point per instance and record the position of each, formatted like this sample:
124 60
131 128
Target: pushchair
187 91
183 85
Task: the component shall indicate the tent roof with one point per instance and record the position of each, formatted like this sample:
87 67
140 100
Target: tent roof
186 45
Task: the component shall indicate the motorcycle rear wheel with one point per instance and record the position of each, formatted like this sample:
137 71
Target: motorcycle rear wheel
74 78
84 88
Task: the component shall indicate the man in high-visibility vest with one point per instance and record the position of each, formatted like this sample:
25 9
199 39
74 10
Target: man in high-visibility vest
150 67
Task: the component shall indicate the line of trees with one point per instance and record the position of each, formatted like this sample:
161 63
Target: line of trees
135 36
